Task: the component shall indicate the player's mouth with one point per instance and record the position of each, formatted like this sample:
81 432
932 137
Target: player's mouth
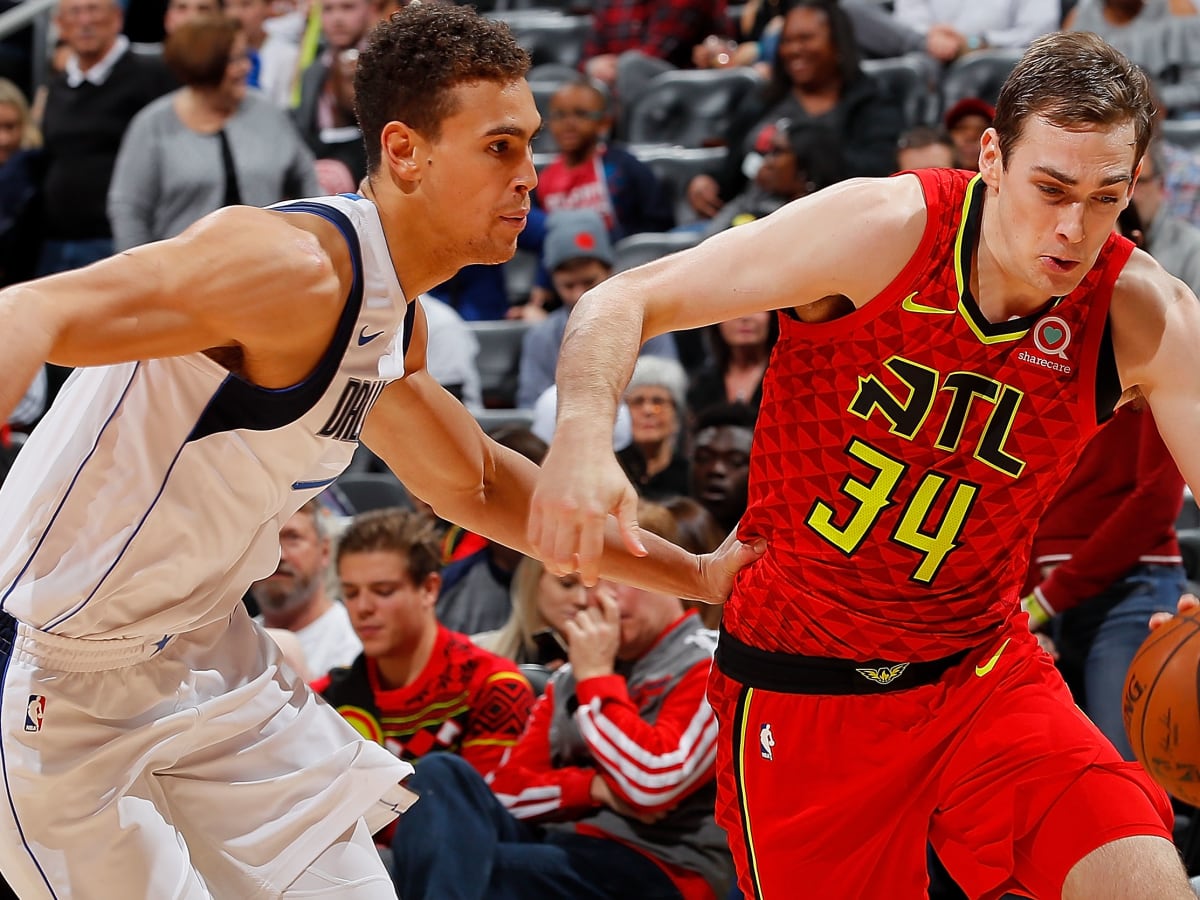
516 219
1059 265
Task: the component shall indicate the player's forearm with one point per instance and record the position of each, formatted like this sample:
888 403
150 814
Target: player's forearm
25 342
599 349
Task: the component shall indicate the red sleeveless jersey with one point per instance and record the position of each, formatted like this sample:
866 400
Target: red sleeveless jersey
904 453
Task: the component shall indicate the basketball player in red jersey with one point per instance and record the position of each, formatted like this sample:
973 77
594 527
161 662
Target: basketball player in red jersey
948 345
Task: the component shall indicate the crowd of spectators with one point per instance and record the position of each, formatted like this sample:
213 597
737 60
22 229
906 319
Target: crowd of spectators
436 643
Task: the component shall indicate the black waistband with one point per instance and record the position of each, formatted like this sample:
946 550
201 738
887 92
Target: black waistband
789 673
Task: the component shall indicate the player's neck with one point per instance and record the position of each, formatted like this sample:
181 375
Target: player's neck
1000 294
417 251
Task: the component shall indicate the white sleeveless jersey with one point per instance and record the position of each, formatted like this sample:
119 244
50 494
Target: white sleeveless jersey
152 494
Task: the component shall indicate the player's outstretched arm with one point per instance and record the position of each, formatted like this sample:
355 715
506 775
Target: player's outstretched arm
471 480
851 239
234 279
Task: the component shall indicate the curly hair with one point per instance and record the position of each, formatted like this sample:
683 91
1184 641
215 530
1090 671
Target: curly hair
413 62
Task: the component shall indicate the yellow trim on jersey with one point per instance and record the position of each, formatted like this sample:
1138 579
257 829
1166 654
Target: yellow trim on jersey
506 676
491 742
741 781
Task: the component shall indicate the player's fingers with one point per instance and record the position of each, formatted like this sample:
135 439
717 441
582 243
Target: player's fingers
564 544
631 533
1159 619
1188 602
591 548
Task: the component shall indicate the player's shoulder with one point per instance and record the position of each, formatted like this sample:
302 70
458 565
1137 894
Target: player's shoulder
874 207
1143 292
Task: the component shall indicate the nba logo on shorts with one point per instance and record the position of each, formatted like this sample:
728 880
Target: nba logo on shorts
766 741
35 711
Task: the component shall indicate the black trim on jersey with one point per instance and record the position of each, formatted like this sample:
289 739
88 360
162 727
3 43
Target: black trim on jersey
739 718
1108 380
410 316
238 404
970 240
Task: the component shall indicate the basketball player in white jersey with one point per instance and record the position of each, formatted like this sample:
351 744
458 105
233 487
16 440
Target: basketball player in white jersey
151 746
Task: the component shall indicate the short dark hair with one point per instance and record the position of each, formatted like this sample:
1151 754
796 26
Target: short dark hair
414 60
725 415
197 52
1072 79
413 535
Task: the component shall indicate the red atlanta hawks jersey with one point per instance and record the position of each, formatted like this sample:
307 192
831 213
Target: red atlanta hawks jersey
904 453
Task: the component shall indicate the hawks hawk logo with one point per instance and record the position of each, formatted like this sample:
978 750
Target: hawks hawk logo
884 674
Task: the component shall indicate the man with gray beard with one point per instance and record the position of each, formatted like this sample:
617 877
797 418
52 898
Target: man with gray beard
295 597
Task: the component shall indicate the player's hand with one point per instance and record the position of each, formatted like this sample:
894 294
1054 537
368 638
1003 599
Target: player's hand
593 634
1187 603
719 568
579 485
704 195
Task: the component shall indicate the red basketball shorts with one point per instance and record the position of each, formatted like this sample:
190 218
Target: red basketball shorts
837 796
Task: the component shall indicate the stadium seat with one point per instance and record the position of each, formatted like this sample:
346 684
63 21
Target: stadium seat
676 166
1184 132
492 420
365 491
519 273
689 107
499 359
548 35
912 82
979 74
543 89
538 676
642 248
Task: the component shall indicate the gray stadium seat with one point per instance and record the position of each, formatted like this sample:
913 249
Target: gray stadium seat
548 35
980 74
499 359
1184 132
365 491
543 89
492 420
676 166
689 108
519 273
912 80
642 248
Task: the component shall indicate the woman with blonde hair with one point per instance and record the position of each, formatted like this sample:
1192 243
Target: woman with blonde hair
542 604
20 146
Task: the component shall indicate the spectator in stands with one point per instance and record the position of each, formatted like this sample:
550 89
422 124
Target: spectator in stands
923 147
721 440
1158 35
578 254
273 56
1170 240
210 144
797 159
542 604
966 121
296 598
698 533
475 589
816 80
88 108
630 42
608 793
20 158
417 687
325 111
656 461
739 352
1180 168
1106 558
590 173
949 29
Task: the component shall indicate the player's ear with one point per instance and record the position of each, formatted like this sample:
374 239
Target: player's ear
991 163
402 152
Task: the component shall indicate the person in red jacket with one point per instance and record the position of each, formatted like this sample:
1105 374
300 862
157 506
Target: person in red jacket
610 791
1105 559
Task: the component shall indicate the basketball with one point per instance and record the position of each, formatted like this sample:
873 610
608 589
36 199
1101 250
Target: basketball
1162 706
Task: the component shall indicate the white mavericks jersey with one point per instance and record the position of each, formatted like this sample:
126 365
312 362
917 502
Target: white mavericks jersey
152 494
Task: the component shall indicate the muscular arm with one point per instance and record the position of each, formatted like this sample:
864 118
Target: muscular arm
808 250
474 482
235 279
1156 329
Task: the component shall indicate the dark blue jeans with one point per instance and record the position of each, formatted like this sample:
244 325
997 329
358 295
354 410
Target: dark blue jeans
458 842
1098 641
63 256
